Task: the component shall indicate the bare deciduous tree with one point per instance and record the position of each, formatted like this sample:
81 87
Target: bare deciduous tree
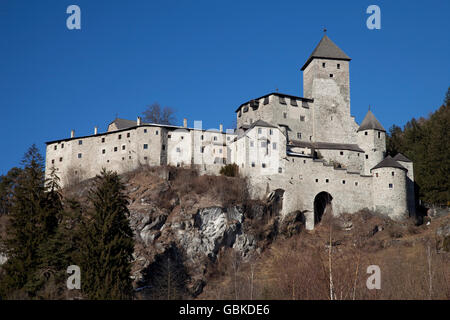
157 114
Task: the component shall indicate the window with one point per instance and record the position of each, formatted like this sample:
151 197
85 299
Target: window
228 138
356 183
145 130
145 158
341 153
62 146
220 150
157 132
251 144
120 136
263 165
317 180
358 154
304 161
53 161
284 115
326 180
253 164
338 66
60 159
202 149
215 138
280 170
128 135
103 151
129 157
123 147
367 156
379 135
182 137
259 130
331 75
391 185
169 136
123 158
56 147
164 147
323 64
299 135
343 181
80 142
178 150
365 133
201 137
376 174
263 144
310 138
145 146
103 140
115 149
270 131
274 146
392 173
302 118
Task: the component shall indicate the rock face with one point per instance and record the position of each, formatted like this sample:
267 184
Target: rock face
3 259
197 237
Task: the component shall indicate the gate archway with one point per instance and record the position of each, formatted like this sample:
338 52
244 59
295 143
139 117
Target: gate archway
322 205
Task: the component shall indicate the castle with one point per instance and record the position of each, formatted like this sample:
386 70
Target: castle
309 153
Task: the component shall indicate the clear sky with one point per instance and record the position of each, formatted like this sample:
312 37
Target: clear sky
204 58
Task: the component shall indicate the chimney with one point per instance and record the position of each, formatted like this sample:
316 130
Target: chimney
72 133
95 130
139 122
221 127
185 122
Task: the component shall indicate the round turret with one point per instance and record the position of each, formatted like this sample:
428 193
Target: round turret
389 189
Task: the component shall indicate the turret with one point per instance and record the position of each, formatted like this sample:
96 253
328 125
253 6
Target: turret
408 164
372 139
389 189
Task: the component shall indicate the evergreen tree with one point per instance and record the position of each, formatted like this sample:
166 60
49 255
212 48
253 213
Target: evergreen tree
107 242
7 184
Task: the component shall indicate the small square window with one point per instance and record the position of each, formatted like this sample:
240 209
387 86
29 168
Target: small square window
220 150
157 132
128 135
80 142
123 147
115 149
123 158
391 185
251 144
367 156
145 158
145 130
145 146
215 138
356 183
182 137
379 135
263 165
62 146
103 140
103 151
178 150
60 159
338 66
259 131
79 156
202 149
365 133
331 75
164 147
56 147
53 161
169 136
280 170
129 157
201 137
317 180
253 164
120 136
392 173
343 181
302 118
263 144
323 64
284 115
341 153
274 146
326 180
299 135
376 174
270 131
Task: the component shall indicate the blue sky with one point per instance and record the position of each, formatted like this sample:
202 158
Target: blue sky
204 58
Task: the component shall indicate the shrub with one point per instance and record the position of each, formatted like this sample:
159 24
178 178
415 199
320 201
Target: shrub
230 170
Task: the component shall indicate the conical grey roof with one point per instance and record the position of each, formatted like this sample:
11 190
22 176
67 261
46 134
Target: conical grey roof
401 157
370 122
326 49
388 162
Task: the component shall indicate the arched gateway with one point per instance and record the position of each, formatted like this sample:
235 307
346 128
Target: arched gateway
322 205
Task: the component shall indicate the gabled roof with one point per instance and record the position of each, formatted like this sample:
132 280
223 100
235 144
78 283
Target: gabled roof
325 145
370 122
261 123
401 157
326 49
279 94
388 162
123 123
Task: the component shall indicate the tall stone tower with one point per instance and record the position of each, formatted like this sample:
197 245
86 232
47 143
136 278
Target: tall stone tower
326 79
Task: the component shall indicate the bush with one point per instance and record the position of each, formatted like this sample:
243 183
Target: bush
230 170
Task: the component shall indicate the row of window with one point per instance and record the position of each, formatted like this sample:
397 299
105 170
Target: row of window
324 65
264 144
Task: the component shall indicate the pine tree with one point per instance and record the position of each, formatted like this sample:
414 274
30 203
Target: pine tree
107 242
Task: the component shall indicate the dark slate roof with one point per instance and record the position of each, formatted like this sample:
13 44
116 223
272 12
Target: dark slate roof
388 162
283 95
370 122
261 123
326 49
124 123
401 157
326 145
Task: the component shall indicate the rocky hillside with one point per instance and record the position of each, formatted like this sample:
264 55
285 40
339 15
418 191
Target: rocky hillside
199 236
